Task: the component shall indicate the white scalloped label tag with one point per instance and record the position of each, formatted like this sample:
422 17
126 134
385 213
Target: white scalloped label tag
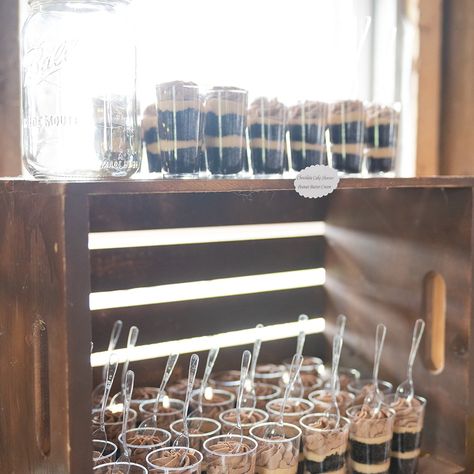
316 181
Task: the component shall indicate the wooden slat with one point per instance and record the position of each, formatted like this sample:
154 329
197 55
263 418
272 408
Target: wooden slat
149 211
381 244
116 269
44 335
173 321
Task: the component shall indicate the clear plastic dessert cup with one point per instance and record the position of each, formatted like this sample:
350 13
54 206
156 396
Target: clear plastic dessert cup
407 433
370 435
139 395
266 392
123 468
227 380
213 403
277 455
178 389
175 460
325 445
322 400
230 454
269 373
310 375
248 417
113 423
346 376
108 454
200 429
142 441
295 409
169 410
225 114
180 112
362 387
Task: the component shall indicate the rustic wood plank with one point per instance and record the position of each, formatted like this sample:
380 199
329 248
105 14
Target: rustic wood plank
457 139
171 321
116 269
381 244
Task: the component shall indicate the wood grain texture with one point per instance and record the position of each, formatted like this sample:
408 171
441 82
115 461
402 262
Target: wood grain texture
44 284
381 244
10 156
457 139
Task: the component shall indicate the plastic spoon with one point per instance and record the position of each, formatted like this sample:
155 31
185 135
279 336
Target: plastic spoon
340 328
336 354
374 398
298 388
153 421
276 430
100 433
244 370
406 389
184 435
131 343
125 456
250 394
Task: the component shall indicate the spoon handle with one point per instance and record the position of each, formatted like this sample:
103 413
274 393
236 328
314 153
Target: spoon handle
193 366
244 370
131 342
294 371
341 325
415 344
336 355
114 337
170 364
129 382
211 359
379 340
112 365
256 351
302 334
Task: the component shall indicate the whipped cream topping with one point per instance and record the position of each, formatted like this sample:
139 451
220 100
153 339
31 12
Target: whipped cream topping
325 396
247 417
293 406
174 458
229 447
136 439
328 438
281 455
408 415
367 423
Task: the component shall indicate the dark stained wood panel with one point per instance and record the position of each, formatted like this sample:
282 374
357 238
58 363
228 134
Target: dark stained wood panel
381 244
172 321
115 269
165 211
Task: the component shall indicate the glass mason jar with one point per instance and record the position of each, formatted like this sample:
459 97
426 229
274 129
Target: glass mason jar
79 106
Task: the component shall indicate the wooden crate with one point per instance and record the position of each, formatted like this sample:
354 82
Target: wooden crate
382 238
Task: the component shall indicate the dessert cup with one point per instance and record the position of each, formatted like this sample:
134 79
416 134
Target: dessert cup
248 417
230 454
166 414
381 137
361 388
178 389
266 126
306 127
322 400
407 431
141 441
311 373
113 423
227 380
139 395
150 137
370 437
269 373
108 454
277 455
200 429
174 460
346 376
346 123
179 114
265 393
325 445
217 402
124 468
224 130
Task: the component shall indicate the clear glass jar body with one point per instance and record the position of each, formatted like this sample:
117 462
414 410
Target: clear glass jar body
79 107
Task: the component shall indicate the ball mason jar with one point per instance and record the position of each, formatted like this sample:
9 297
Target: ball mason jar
79 106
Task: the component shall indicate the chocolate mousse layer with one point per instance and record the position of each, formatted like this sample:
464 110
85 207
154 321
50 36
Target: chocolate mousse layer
266 392
150 137
179 111
224 130
346 123
407 430
306 127
143 441
266 125
294 409
279 457
227 456
176 458
113 423
370 438
248 418
325 444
